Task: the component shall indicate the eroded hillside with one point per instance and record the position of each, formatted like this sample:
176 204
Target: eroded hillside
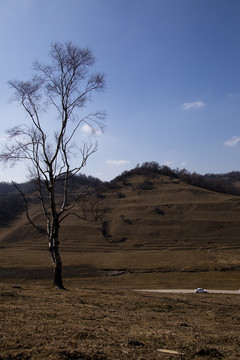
148 223
166 213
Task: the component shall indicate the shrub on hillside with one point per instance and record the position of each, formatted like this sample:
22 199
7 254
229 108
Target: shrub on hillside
146 185
121 195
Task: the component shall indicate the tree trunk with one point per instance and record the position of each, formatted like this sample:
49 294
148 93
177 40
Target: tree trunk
57 277
57 263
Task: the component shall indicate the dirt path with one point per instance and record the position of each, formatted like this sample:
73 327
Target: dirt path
190 291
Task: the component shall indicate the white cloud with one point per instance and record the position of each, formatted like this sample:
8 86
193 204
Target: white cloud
193 105
97 132
168 163
118 162
233 141
89 130
86 129
183 163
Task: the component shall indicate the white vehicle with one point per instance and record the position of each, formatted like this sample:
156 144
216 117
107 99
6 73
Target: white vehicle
201 290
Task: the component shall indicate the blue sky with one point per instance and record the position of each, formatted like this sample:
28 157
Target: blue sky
172 71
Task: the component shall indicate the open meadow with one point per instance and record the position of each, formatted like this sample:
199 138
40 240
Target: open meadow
38 322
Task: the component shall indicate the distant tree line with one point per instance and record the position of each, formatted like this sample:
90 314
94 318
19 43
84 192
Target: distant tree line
228 183
84 180
12 204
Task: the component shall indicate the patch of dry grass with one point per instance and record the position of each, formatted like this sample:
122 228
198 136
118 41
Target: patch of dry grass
38 322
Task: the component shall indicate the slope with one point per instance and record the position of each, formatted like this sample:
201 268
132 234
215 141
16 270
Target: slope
158 223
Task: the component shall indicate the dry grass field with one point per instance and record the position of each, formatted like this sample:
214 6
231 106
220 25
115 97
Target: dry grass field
38 322
156 233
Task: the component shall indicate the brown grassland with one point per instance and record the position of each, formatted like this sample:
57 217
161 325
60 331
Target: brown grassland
154 235
38 322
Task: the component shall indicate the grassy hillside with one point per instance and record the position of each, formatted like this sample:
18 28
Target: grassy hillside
151 226
165 213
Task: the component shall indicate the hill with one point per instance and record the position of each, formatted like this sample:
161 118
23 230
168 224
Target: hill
228 183
163 212
11 204
152 226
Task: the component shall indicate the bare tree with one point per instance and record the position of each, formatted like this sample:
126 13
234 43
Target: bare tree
64 86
